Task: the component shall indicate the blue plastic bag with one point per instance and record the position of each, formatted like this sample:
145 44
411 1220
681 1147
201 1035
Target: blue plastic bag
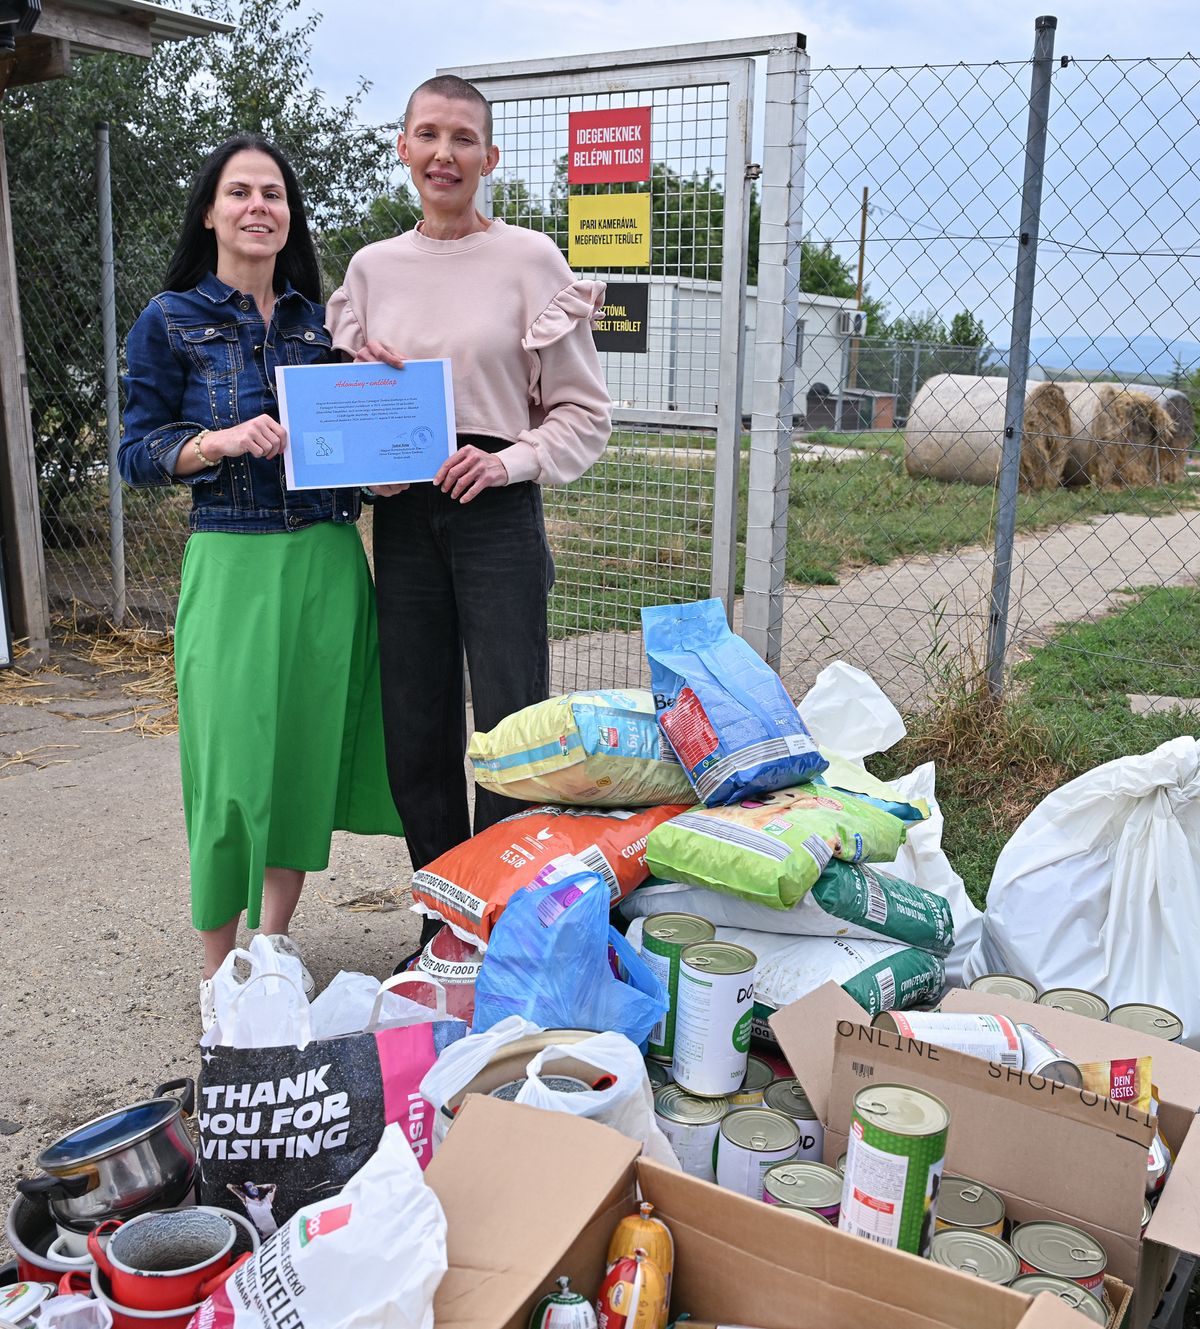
725 712
548 960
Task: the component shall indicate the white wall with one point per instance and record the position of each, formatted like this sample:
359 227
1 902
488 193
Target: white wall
680 369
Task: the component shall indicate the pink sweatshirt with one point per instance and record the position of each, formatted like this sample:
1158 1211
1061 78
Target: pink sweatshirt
514 321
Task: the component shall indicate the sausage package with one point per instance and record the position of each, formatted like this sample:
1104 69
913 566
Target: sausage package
724 711
469 886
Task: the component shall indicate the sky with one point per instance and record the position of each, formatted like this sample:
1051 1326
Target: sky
940 147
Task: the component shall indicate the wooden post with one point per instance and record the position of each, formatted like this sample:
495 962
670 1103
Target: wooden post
20 512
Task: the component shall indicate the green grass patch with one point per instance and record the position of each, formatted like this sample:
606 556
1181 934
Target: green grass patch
1067 712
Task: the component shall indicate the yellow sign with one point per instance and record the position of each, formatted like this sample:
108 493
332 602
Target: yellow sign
609 231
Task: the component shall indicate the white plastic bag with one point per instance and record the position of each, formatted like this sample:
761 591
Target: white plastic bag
1099 887
462 1062
73 1312
268 1010
627 1107
846 710
370 1257
922 861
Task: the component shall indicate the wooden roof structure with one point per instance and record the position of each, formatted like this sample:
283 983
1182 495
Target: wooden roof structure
64 29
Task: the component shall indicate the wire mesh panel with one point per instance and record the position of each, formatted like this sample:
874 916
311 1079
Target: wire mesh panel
902 406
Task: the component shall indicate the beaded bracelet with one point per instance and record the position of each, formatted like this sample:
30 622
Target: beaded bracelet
196 441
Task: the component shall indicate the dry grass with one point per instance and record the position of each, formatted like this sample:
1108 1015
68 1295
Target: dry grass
133 666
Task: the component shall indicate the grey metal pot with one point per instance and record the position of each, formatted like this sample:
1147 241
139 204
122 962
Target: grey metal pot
136 1158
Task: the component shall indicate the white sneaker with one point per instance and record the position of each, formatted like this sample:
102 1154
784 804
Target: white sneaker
282 943
208 1005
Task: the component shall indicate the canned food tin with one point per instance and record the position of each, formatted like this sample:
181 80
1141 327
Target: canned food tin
840 1165
712 1017
894 1166
691 1125
788 1096
1075 1296
1076 1000
975 1253
658 1075
758 1076
1006 985
750 1141
804 1185
1042 1058
1156 1021
969 1206
1063 1250
1147 1214
992 1037
563 1084
663 938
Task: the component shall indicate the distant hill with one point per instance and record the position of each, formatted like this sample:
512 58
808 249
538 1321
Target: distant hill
1147 355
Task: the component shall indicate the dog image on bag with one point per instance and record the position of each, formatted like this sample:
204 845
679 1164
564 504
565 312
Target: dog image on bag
258 1202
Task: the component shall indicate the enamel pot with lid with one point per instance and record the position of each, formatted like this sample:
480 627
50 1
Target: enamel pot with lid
136 1158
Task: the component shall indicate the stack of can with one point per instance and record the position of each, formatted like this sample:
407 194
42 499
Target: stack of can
1156 1021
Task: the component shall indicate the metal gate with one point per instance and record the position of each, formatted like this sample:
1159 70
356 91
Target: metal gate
656 519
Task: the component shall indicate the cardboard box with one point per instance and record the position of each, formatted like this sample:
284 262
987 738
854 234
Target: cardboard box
530 1195
1052 1151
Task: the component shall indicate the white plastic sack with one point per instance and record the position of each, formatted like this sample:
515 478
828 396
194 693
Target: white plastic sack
269 1009
846 710
627 1107
1099 887
370 1257
73 1312
922 861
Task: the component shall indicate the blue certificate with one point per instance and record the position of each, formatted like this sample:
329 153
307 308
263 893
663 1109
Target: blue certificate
365 423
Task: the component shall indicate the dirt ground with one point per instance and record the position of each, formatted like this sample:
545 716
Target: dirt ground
98 1001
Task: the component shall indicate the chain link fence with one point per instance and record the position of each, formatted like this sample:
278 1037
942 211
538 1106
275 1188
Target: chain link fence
888 502
893 525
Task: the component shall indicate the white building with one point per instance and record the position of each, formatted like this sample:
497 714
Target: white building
679 370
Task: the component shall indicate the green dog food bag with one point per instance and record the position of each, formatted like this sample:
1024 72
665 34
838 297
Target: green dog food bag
773 847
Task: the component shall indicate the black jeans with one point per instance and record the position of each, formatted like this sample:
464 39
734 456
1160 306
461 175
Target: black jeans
451 576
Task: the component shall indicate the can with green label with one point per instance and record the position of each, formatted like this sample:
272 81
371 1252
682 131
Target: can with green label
712 1017
897 1147
663 938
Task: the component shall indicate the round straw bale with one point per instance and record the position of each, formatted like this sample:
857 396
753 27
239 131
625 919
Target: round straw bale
1178 406
1119 437
955 431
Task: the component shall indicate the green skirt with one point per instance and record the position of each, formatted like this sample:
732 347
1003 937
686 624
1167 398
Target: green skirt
280 727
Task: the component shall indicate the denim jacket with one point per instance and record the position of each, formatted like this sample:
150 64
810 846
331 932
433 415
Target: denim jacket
202 359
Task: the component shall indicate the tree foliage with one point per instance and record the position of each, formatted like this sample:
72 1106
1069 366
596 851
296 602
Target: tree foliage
164 115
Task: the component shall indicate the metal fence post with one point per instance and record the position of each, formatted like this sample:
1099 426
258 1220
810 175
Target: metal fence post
108 320
777 348
1018 355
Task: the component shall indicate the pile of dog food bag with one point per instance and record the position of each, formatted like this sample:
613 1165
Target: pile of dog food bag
680 863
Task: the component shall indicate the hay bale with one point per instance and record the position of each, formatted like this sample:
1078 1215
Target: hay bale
1119 437
1178 406
955 431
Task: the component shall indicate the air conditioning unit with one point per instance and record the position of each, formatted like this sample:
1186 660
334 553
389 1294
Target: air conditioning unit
852 323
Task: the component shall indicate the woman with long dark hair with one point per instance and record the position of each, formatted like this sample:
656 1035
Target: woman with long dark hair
276 649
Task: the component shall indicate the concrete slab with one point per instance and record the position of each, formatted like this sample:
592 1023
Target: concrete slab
1141 704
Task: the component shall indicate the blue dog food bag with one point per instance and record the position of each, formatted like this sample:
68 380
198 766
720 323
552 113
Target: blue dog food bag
725 712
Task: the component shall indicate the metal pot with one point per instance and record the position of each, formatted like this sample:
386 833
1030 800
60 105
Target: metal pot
136 1158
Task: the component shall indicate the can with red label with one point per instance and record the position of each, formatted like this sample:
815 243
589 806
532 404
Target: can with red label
1058 1248
992 1037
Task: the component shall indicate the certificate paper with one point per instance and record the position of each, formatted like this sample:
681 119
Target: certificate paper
365 423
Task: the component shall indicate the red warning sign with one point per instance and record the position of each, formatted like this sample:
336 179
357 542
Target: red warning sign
608 147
